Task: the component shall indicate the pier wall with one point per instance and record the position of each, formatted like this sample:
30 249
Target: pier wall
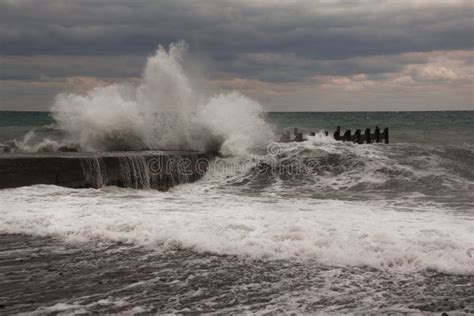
142 169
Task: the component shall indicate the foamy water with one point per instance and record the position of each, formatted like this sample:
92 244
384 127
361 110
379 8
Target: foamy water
355 206
239 212
337 233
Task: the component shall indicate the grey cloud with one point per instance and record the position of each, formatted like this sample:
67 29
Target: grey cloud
135 27
271 41
291 67
37 67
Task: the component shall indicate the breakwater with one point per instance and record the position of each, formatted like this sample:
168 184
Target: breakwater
137 169
358 137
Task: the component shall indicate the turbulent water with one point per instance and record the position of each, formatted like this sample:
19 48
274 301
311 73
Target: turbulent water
311 226
163 110
381 213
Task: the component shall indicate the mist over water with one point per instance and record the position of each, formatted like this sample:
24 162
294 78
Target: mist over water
163 111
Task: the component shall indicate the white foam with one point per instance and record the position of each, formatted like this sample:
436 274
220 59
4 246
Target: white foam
58 308
332 232
371 165
32 143
163 111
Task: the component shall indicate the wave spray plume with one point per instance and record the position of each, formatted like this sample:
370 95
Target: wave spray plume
163 111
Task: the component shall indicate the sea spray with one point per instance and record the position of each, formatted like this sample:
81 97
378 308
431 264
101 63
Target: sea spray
31 142
103 119
163 111
236 121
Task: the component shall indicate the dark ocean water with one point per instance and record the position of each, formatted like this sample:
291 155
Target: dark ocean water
434 128
348 228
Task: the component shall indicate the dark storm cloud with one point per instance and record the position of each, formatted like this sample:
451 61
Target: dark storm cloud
37 67
333 43
311 29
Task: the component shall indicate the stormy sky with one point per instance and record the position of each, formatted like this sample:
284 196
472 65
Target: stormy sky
290 55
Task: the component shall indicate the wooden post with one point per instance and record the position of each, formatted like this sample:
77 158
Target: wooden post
347 135
385 135
299 137
358 137
326 133
367 136
377 134
295 131
337 133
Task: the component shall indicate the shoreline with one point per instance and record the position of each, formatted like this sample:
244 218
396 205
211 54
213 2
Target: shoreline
49 275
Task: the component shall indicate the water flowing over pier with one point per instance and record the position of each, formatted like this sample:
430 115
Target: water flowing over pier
140 170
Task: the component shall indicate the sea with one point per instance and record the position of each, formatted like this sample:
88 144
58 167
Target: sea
319 226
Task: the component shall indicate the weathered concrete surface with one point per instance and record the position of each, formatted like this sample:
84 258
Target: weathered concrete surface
142 169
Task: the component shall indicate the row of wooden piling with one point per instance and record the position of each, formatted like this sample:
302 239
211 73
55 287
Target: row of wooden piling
367 137
357 137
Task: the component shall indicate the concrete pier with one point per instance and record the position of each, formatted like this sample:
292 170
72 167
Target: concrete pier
141 169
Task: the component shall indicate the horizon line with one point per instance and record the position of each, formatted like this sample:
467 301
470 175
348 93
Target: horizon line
265 111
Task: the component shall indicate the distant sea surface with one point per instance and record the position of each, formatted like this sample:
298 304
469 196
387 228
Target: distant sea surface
384 228
435 128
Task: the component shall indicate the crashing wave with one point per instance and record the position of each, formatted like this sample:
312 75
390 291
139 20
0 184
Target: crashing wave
163 111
